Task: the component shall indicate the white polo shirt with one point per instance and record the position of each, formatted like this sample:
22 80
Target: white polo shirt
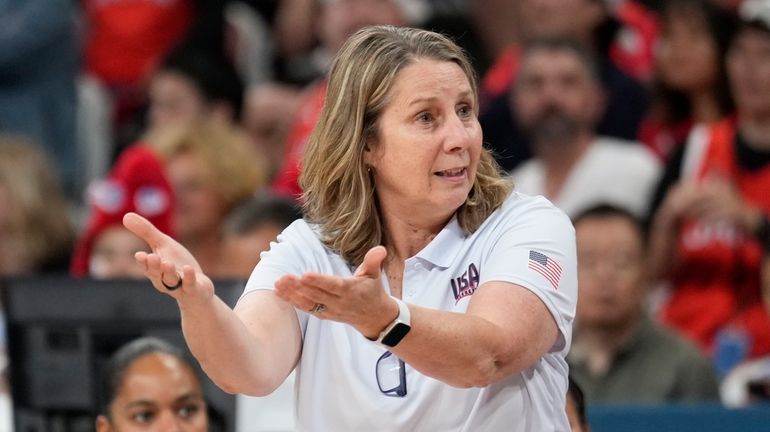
527 242
611 171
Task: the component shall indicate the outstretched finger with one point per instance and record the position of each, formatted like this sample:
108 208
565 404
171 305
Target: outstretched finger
144 229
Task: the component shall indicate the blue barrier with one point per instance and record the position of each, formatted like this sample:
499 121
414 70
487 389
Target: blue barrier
679 418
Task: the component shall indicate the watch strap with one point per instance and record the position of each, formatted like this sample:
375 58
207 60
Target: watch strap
402 324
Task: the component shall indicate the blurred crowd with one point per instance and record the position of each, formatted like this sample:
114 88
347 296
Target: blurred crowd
647 122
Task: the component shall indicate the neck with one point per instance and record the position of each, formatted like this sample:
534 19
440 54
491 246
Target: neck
404 239
598 344
559 159
756 130
705 108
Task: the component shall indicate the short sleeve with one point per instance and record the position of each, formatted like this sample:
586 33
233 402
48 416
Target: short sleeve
295 252
535 248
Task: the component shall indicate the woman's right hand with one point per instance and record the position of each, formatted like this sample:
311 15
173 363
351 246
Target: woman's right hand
169 261
678 203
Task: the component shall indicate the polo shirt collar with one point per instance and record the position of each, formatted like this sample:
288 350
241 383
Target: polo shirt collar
443 249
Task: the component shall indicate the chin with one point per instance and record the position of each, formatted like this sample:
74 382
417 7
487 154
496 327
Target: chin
457 202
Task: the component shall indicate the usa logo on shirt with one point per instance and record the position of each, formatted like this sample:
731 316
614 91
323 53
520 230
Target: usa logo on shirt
465 284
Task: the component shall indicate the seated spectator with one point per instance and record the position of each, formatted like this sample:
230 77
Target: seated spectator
558 102
211 169
188 89
123 42
36 234
268 112
150 385
690 80
190 86
619 355
588 23
136 183
337 20
711 234
250 228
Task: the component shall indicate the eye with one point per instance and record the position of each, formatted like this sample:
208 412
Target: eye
465 111
425 117
143 417
187 411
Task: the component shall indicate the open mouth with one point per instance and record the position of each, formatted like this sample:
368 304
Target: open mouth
454 172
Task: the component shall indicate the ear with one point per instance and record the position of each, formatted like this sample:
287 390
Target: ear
598 103
103 424
370 152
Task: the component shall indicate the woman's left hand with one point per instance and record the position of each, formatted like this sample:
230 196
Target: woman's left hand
359 300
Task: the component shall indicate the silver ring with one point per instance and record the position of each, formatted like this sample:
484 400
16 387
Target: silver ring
318 308
172 287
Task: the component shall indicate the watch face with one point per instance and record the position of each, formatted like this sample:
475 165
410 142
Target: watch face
395 334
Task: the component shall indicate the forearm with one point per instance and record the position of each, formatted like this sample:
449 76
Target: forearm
662 247
240 355
476 351
470 354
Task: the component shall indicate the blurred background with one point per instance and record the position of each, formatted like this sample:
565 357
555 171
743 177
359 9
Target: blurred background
646 119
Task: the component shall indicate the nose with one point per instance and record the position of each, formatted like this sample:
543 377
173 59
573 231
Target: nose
552 92
458 134
168 422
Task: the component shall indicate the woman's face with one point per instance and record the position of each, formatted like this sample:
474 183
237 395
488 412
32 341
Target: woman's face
158 393
687 55
748 66
174 99
200 208
112 255
610 271
428 145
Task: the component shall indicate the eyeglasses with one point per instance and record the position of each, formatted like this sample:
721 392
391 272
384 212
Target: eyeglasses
391 375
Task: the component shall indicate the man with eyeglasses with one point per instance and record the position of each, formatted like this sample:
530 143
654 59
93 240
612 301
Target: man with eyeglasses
619 355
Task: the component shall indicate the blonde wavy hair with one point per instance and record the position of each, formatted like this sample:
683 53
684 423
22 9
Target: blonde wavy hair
338 190
40 230
233 166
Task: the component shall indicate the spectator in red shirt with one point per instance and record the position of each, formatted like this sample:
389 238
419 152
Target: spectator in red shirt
690 78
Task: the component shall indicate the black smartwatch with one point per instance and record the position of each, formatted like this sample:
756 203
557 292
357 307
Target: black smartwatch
396 330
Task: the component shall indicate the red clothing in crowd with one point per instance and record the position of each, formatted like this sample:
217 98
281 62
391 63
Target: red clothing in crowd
136 183
125 38
286 181
717 281
664 138
631 52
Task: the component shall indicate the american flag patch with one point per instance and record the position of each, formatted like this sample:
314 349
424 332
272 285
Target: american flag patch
547 267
